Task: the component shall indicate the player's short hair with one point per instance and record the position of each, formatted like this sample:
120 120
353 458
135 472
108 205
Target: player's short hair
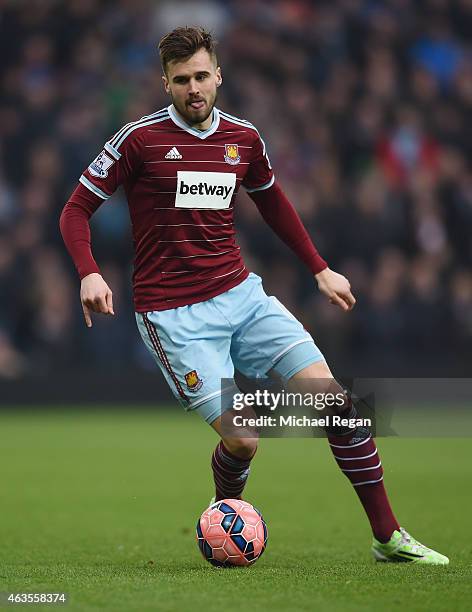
180 44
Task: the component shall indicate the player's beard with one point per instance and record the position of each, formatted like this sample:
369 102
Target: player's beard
195 117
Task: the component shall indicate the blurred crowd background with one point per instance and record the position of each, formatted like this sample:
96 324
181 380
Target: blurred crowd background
365 109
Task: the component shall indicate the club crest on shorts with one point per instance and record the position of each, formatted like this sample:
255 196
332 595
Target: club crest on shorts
232 154
194 383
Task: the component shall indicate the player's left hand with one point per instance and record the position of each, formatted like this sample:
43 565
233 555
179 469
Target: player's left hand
337 288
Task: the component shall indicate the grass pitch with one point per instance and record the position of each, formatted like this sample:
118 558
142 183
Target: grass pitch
102 505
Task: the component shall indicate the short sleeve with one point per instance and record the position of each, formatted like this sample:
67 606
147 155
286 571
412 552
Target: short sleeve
259 175
113 167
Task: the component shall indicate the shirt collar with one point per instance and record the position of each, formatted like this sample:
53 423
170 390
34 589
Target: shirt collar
177 119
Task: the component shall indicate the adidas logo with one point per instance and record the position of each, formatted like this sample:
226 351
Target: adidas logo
173 154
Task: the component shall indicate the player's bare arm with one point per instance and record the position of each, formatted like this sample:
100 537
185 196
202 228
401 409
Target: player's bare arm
95 296
337 288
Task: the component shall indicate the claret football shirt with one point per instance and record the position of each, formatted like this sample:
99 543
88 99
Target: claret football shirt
181 185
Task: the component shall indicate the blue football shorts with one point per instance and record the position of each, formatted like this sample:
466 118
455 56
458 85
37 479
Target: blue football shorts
196 346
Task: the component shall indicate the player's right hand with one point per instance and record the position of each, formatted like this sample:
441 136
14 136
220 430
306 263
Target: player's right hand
95 296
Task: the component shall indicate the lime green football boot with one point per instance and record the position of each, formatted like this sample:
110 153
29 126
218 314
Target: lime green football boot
402 547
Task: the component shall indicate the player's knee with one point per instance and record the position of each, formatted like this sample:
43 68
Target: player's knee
244 448
315 379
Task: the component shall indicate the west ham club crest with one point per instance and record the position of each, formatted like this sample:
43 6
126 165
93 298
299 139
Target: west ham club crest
232 154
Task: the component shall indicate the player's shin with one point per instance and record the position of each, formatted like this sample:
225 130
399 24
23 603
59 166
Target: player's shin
356 454
230 471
